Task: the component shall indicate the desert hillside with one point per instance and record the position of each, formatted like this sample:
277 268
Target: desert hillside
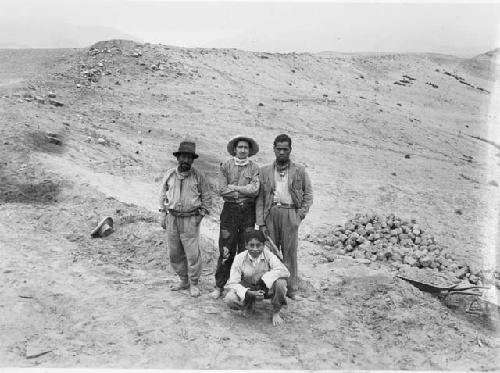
412 135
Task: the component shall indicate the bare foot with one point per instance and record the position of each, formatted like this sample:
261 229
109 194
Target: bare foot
277 320
195 291
216 293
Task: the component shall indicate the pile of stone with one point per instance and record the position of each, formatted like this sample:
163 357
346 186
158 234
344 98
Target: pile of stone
397 242
41 99
91 74
94 50
405 81
461 80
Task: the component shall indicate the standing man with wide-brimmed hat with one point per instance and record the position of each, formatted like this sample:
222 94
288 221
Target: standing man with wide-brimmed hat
239 187
185 198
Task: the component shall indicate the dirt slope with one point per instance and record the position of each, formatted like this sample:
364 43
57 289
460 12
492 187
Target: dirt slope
125 107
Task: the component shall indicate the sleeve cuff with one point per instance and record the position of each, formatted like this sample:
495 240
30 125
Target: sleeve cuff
241 291
268 279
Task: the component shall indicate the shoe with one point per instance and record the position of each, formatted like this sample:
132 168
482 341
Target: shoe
195 291
216 293
293 296
182 285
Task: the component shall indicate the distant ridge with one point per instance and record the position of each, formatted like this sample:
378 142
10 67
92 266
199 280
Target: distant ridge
55 35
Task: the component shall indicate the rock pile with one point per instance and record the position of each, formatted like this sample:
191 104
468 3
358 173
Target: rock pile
399 243
461 80
41 99
405 81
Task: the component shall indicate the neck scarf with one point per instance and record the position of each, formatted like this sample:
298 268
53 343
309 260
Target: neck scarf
240 162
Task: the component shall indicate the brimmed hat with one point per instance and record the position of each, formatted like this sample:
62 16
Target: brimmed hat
188 147
254 147
104 228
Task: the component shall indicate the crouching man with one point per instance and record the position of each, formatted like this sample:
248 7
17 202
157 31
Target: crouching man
257 274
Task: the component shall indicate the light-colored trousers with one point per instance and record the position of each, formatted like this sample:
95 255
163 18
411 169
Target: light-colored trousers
283 225
183 240
277 294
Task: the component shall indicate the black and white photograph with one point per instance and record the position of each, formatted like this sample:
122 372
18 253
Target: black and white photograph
249 185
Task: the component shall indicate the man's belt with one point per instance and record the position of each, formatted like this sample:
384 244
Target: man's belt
284 205
183 214
242 203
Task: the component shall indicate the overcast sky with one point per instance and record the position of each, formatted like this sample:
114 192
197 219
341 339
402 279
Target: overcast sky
459 28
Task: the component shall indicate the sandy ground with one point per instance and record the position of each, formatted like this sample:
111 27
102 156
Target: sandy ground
72 301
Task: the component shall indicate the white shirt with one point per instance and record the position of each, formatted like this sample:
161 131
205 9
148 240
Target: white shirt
282 194
266 266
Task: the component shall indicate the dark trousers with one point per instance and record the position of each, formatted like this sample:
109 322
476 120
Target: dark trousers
277 294
234 220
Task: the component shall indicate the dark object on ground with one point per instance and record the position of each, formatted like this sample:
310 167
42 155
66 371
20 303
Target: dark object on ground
455 289
104 228
55 102
54 138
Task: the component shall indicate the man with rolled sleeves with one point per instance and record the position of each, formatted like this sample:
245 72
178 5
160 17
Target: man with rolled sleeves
285 196
185 198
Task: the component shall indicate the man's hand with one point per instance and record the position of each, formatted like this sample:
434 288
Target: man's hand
163 220
261 283
264 230
254 295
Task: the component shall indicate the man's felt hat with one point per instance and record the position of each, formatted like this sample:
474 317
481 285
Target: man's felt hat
188 147
254 147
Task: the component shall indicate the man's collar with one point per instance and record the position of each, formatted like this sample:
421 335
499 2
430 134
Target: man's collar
258 259
241 162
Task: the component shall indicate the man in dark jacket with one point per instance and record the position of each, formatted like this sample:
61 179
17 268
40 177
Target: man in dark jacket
284 199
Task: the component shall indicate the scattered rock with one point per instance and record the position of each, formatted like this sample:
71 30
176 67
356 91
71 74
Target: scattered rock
101 141
51 95
407 156
54 138
363 261
493 183
55 102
